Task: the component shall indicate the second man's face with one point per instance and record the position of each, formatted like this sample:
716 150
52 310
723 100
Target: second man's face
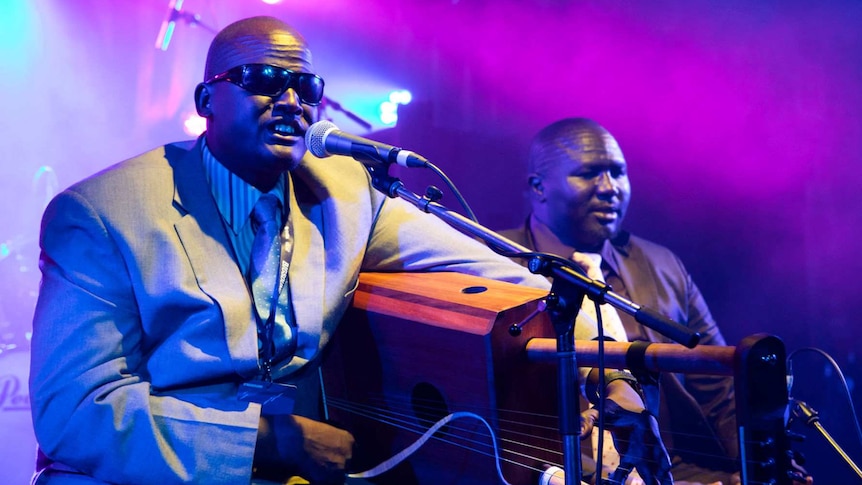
586 193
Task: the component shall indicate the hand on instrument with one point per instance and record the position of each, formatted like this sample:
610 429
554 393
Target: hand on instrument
799 474
293 445
636 435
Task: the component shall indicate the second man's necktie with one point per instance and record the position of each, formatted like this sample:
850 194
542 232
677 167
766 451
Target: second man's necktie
613 327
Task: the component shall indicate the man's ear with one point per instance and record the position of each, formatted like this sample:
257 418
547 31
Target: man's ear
203 104
536 187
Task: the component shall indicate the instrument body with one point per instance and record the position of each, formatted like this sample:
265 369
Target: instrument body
417 347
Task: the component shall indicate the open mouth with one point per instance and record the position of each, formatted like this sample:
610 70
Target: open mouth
285 129
606 214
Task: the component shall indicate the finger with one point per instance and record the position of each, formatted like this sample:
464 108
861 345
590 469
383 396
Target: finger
652 476
620 474
663 473
646 475
665 478
588 422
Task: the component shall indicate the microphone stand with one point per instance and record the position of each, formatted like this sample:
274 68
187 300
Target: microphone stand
331 103
175 12
568 289
812 418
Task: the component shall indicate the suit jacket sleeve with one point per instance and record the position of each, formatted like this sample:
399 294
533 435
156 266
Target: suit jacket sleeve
714 394
680 298
406 239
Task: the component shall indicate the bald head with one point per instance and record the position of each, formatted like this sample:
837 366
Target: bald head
234 44
570 138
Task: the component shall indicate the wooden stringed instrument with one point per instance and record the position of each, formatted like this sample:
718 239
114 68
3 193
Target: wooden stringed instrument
416 347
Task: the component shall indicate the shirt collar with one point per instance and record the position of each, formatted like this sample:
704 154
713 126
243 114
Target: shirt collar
545 241
234 197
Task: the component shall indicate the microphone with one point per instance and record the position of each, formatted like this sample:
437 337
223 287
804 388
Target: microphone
324 139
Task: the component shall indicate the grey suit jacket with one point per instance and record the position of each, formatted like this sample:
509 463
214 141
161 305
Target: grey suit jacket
144 325
703 430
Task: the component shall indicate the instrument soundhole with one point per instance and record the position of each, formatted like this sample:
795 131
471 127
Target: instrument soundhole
428 404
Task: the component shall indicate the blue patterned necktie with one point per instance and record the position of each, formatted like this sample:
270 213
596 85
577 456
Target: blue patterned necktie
265 254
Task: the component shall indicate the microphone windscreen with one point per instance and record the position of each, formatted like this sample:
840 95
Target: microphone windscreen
315 135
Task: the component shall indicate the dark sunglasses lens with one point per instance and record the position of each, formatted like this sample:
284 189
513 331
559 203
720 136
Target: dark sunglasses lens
309 87
273 81
266 80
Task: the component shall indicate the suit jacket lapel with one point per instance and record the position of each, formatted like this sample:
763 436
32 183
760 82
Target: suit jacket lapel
203 237
637 277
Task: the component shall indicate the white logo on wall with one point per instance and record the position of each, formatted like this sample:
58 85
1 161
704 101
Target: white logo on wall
13 394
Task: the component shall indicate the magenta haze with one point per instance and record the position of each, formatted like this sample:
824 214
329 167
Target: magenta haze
740 121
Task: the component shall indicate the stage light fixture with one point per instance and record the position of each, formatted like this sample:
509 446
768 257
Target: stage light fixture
389 109
400 97
388 113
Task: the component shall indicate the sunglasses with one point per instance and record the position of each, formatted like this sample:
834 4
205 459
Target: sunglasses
273 81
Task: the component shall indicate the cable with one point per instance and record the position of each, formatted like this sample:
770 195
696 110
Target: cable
840 376
455 191
401 456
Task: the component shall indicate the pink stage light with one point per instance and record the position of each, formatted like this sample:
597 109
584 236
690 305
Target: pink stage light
194 125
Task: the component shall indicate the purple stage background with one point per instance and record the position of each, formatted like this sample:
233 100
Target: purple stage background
740 121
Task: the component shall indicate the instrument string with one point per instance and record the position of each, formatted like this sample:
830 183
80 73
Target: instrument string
407 423
510 421
507 435
517 446
404 422
398 458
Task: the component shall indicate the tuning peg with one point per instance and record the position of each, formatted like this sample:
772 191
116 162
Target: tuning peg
515 329
797 457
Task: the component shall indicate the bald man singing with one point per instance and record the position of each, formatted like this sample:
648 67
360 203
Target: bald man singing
166 349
